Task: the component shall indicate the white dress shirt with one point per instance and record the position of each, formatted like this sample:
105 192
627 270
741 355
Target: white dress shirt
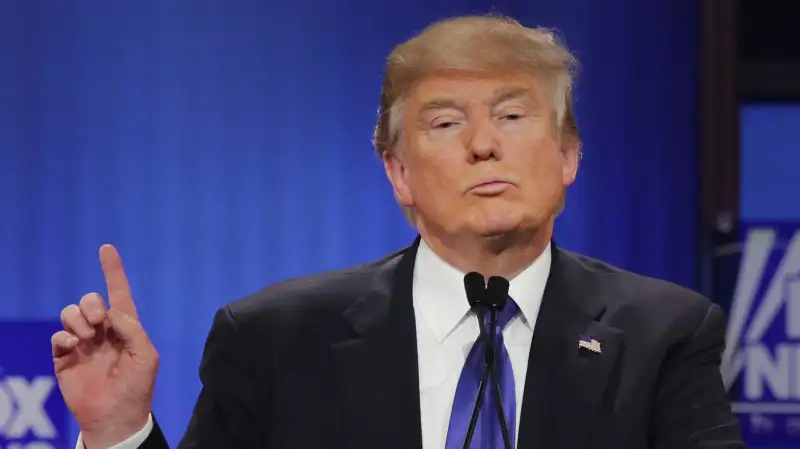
446 331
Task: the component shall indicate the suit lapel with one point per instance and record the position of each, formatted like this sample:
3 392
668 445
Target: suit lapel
564 383
376 370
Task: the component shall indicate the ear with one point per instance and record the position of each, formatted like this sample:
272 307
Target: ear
571 156
397 172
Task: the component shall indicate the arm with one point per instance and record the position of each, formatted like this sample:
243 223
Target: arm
228 410
225 413
691 408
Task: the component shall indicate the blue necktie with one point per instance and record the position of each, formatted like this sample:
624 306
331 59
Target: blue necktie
488 434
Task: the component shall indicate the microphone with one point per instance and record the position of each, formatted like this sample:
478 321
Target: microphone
496 296
497 292
475 286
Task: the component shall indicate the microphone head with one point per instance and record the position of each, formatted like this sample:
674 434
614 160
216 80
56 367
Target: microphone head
497 291
475 285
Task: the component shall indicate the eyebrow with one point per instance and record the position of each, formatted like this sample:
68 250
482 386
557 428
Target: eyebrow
509 93
500 95
440 103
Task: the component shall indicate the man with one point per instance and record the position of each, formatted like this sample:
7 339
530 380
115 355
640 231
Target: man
479 141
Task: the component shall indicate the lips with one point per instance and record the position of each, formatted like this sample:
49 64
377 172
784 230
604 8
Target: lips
489 180
490 187
488 183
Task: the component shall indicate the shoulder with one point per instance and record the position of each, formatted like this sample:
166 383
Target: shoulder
319 296
644 302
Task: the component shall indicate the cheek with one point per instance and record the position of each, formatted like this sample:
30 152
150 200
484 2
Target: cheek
430 181
433 171
544 168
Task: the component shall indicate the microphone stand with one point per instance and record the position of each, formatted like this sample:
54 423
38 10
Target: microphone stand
492 296
475 286
496 295
487 364
495 309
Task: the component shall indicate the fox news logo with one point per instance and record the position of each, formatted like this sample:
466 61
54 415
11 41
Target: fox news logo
761 363
22 412
32 411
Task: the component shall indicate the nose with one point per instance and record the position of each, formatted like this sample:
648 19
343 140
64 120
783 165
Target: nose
482 142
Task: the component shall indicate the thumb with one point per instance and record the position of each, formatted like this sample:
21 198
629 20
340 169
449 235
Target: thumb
129 330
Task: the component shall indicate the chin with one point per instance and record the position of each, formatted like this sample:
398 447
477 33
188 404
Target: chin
495 226
498 233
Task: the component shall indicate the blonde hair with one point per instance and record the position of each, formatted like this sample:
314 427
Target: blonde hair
476 43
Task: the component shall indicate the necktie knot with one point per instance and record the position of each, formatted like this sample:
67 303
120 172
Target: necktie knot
509 311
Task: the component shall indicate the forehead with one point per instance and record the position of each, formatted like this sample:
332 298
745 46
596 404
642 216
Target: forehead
469 87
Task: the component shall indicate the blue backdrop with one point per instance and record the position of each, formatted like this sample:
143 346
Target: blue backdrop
761 322
223 145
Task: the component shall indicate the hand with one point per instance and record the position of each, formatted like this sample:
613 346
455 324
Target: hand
105 364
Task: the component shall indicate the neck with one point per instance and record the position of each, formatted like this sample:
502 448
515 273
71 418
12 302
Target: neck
505 255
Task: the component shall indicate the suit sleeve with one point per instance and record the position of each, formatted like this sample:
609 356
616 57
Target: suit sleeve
227 412
692 408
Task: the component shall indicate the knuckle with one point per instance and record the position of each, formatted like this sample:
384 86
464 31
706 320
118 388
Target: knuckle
68 313
92 307
92 299
73 321
60 338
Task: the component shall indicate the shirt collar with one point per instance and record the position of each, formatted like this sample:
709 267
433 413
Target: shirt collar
440 299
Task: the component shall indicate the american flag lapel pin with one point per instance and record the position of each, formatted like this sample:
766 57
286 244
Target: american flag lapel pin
588 343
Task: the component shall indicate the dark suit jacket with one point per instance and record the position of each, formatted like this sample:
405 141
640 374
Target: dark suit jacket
330 361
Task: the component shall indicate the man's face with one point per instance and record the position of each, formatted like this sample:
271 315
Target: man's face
480 155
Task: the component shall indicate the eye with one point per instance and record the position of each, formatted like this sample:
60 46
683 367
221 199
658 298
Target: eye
445 122
512 113
512 117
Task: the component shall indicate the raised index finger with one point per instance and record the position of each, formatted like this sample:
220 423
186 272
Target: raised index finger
119 291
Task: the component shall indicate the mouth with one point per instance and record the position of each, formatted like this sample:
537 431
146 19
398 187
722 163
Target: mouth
490 188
